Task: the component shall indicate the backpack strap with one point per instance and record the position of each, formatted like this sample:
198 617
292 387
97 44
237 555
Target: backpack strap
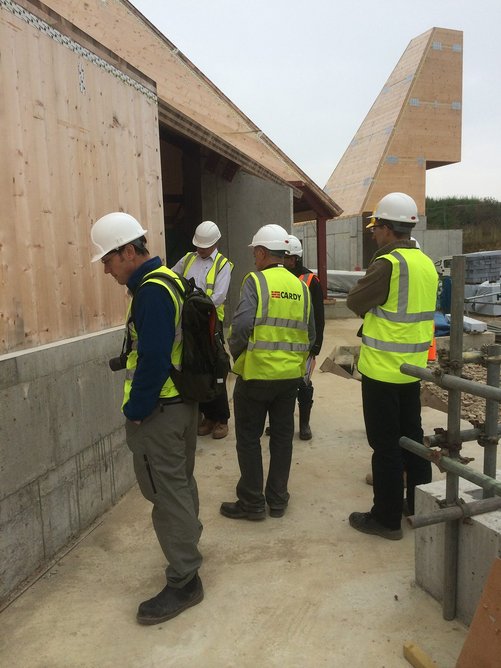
188 285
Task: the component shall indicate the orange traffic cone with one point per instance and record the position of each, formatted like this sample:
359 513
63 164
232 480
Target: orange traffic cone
432 351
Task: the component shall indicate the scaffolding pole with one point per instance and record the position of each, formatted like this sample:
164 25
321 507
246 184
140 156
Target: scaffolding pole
490 440
460 511
466 435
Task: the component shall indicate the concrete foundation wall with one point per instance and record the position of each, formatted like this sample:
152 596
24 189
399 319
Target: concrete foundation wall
240 207
63 455
479 545
345 242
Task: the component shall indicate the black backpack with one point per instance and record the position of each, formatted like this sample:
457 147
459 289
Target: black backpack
205 362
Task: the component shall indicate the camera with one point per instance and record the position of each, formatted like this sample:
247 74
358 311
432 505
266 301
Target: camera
118 363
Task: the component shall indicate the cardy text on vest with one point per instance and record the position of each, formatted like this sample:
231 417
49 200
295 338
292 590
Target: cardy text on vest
277 294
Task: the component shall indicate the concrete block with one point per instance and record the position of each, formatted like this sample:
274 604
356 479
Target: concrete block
21 538
95 480
473 341
479 545
26 435
58 500
63 456
338 309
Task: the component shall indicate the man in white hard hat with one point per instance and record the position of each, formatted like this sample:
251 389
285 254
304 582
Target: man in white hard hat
211 272
293 262
396 299
271 335
160 428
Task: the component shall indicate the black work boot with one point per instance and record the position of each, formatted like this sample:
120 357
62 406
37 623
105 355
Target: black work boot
304 422
170 602
234 511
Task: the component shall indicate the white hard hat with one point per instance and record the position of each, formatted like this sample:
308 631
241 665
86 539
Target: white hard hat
295 247
397 208
206 234
272 237
416 242
113 231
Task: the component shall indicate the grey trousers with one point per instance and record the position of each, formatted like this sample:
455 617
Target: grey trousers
163 448
252 401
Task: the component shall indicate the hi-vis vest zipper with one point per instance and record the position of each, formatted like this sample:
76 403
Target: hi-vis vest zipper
169 389
279 344
400 331
210 281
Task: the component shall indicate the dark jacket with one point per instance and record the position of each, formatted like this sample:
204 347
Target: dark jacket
154 315
372 289
317 301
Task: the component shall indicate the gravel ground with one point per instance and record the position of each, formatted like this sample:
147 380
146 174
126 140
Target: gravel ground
473 408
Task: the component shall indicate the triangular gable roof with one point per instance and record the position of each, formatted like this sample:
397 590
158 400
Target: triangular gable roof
414 125
188 95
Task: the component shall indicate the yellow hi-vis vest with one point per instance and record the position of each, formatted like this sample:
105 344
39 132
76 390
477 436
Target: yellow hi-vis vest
219 262
279 344
402 328
169 389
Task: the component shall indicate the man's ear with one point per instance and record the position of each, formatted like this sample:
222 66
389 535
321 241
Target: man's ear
129 251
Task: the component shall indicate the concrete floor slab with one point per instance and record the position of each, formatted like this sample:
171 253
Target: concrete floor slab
304 590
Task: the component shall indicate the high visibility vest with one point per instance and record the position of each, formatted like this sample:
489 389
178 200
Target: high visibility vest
308 278
400 331
278 345
169 389
219 262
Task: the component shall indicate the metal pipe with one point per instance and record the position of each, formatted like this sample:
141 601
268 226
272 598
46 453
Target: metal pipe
434 440
451 535
451 382
457 512
478 356
491 420
451 465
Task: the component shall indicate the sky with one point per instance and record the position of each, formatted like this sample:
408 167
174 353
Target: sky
307 72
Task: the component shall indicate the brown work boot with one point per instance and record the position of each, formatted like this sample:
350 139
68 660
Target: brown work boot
220 430
206 427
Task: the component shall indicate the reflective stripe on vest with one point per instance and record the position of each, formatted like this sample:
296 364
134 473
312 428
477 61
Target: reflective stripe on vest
307 278
402 328
279 343
169 389
210 280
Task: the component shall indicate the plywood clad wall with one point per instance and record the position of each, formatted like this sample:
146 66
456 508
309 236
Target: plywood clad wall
414 124
121 29
76 142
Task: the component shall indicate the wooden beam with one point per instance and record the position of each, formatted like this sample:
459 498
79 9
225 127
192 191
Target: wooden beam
322 253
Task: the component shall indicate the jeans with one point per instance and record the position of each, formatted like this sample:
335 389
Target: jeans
252 401
392 410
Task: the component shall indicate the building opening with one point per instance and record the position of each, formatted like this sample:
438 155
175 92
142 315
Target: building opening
182 193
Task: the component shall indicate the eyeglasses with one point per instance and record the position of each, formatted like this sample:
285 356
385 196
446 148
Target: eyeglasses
106 258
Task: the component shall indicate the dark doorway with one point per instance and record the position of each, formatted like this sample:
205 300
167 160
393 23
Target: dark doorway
182 196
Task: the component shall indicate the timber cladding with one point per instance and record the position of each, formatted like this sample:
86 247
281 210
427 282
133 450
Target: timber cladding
78 138
413 125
